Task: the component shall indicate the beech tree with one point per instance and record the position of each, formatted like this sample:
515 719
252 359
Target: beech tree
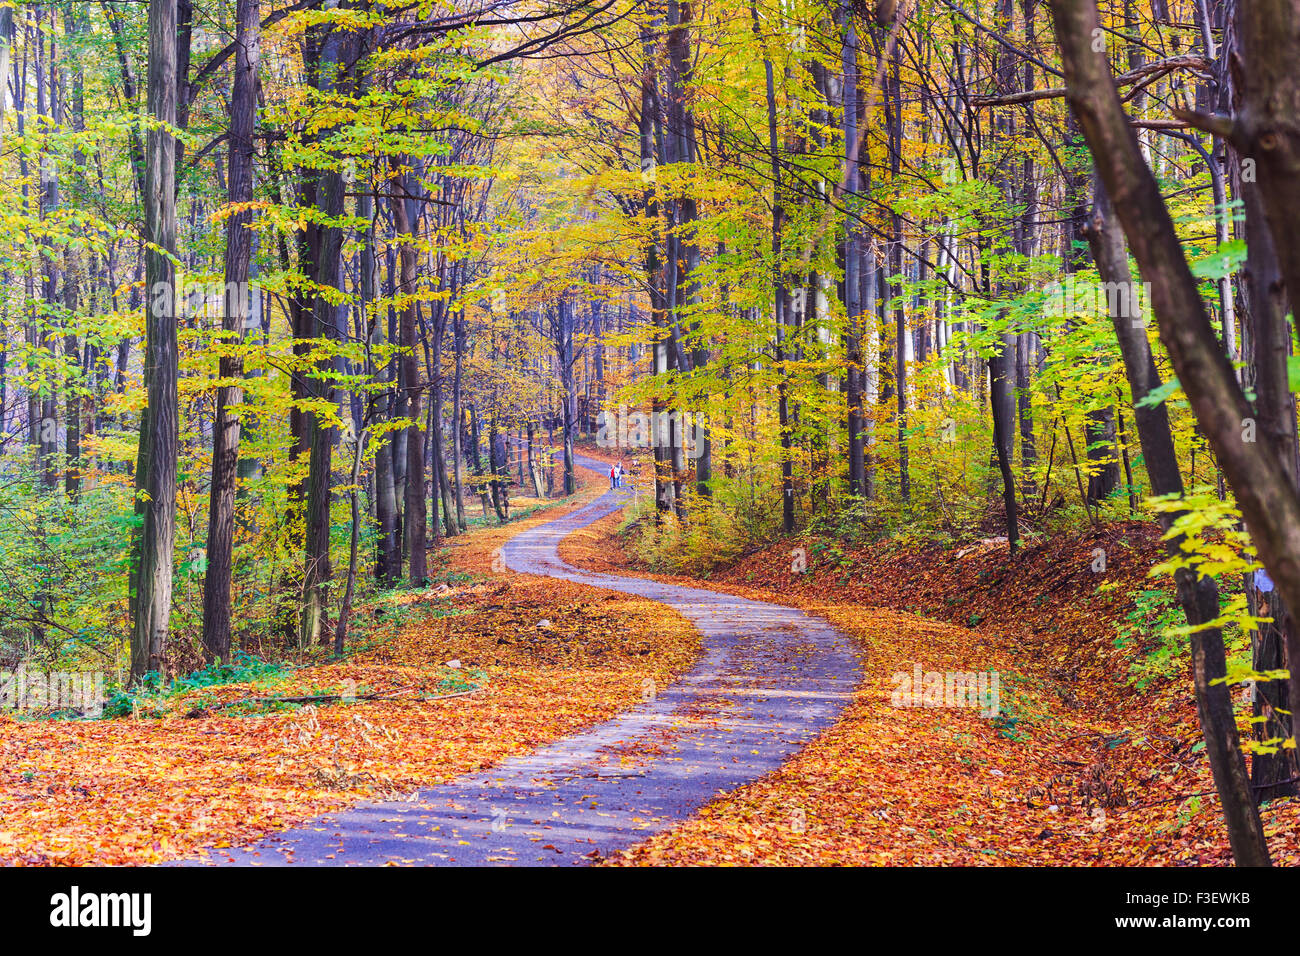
156 465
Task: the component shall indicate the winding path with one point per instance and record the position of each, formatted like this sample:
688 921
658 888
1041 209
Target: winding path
770 679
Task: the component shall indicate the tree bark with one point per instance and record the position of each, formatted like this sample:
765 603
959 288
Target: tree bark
781 305
238 311
415 511
156 463
1003 404
336 54
1268 502
854 370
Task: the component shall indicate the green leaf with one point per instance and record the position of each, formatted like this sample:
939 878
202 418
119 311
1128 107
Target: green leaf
1221 263
1157 395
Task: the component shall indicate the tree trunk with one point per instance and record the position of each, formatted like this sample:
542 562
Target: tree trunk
415 516
235 321
1003 403
457 416
854 371
1269 504
895 117
336 54
156 463
1103 477
780 293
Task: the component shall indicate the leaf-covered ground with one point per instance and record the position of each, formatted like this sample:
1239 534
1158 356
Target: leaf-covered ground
548 659
1078 768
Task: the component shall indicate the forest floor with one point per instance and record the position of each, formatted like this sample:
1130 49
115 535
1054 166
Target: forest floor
1078 766
551 659
769 680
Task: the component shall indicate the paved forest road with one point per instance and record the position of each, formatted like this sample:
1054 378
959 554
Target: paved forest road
770 679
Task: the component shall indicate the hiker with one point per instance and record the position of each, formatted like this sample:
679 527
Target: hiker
618 475
613 477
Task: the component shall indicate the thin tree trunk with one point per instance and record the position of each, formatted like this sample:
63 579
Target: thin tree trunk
336 55
780 293
1002 401
345 608
457 415
1266 498
156 465
235 321
415 515
853 263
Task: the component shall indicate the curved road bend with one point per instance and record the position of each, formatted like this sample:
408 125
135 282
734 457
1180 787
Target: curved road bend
770 678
